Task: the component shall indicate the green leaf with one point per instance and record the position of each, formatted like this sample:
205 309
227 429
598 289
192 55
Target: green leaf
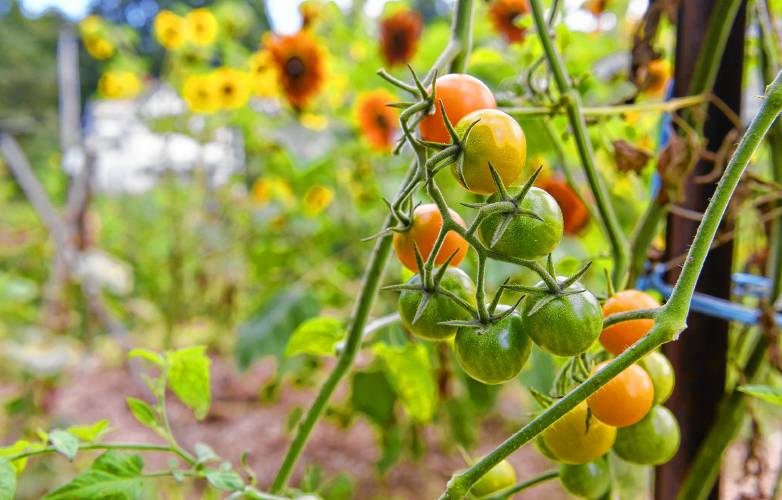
769 394
411 377
317 336
224 480
188 378
143 412
113 476
89 433
64 442
268 331
372 394
16 448
7 480
205 454
150 356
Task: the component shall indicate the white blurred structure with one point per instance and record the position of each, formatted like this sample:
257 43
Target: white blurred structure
129 156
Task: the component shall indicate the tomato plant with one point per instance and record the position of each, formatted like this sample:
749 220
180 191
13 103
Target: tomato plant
459 94
498 478
661 372
652 441
577 439
617 338
422 233
624 400
590 480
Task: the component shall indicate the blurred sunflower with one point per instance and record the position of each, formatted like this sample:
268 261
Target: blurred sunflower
310 13
263 75
91 25
266 189
316 199
399 36
200 93
574 213
233 87
596 7
235 17
119 84
658 72
504 15
170 29
201 26
377 122
301 66
99 47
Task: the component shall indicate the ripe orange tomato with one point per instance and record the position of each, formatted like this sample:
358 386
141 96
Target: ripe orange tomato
618 337
423 231
460 95
574 213
624 400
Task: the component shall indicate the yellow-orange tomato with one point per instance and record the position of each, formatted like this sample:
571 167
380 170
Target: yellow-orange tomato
460 95
618 337
426 224
625 399
574 213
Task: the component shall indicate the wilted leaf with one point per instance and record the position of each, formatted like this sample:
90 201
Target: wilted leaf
771 395
188 378
411 377
268 331
143 412
113 475
629 158
7 480
316 336
675 163
372 394
64 442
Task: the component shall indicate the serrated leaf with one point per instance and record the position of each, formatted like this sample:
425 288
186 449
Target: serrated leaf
89 433
150 356
372 394
317 336
204 453
113 475
7 480
411 376
188 378
268 331
143 412
64 442
768 394
224 480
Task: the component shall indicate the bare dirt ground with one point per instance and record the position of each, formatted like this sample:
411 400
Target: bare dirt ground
237 421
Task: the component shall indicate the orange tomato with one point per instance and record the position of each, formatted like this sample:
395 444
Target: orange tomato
574 213
426 224
460 95
618 337
624 400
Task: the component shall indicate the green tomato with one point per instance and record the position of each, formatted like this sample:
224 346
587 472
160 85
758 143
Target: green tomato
661 372
526 237
496 354
566 325
498 478
440 307
652 441
589 480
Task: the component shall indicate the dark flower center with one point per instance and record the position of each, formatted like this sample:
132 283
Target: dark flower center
294 67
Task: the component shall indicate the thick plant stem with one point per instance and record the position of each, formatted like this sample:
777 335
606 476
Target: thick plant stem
458 47
572 103
671 319
643 236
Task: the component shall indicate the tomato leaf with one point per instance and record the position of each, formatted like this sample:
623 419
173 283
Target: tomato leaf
316 336
64 442
150 356
224 480
143 412
769 394
7 480
411 376
372 394
89 433
188 378
113 475
18 447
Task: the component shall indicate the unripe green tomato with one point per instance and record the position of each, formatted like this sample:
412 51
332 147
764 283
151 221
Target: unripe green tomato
652 441
440 307
496 354
590 480
661 371
498 478
497 139
526 237
567 325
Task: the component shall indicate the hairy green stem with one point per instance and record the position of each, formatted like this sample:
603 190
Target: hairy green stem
618 109
671 318
457 50
630 315
98 446
572 103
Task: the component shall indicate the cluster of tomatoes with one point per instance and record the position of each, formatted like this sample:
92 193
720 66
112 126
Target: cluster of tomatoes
564 319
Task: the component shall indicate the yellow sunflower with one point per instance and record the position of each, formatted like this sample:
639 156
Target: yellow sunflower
658 72
301 67
504 15
99 47
170 30
200 93
316 199
377 122
399 36
266 189
91 25
233 87
263 75
201 27
119 84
